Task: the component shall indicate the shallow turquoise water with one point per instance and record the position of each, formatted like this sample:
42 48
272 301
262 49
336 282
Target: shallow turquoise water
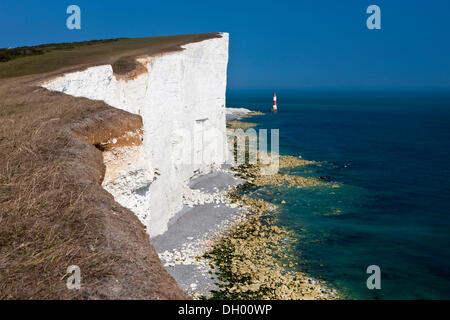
391 155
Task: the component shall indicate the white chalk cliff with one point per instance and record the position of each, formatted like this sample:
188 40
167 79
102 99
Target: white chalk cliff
181 99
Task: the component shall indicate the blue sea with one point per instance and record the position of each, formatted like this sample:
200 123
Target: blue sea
390 154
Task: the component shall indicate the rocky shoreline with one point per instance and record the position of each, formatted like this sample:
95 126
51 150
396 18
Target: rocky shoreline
226 244
251 256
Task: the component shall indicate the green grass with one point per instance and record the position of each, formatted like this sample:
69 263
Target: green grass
120 53
7 54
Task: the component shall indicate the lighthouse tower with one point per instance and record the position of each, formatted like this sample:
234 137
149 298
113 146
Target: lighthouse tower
274 108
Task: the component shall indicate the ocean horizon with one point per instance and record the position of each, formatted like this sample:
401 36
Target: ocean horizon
389 152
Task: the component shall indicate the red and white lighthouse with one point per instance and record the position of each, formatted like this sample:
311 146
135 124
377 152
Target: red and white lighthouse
274 108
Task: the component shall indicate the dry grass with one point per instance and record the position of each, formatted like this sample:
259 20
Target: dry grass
120 54
53 210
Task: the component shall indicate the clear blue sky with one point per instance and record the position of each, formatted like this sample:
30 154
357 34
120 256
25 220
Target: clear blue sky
320 44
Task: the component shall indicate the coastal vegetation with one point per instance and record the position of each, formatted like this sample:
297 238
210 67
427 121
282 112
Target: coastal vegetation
120 53
7 54
54 212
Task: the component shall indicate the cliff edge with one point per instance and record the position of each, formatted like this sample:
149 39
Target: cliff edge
54 210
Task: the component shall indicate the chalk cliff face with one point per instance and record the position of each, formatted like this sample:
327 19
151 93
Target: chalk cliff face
181 98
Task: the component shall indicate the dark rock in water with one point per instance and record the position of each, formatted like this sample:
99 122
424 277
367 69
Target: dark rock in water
325 178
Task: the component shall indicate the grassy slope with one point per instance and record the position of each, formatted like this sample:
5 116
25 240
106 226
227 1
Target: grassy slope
120 53
53 210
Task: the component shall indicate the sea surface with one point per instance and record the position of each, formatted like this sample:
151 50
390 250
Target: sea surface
390 154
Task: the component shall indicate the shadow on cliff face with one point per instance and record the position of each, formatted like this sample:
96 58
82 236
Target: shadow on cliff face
54 212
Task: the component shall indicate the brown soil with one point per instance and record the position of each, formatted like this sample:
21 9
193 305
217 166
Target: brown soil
53 211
